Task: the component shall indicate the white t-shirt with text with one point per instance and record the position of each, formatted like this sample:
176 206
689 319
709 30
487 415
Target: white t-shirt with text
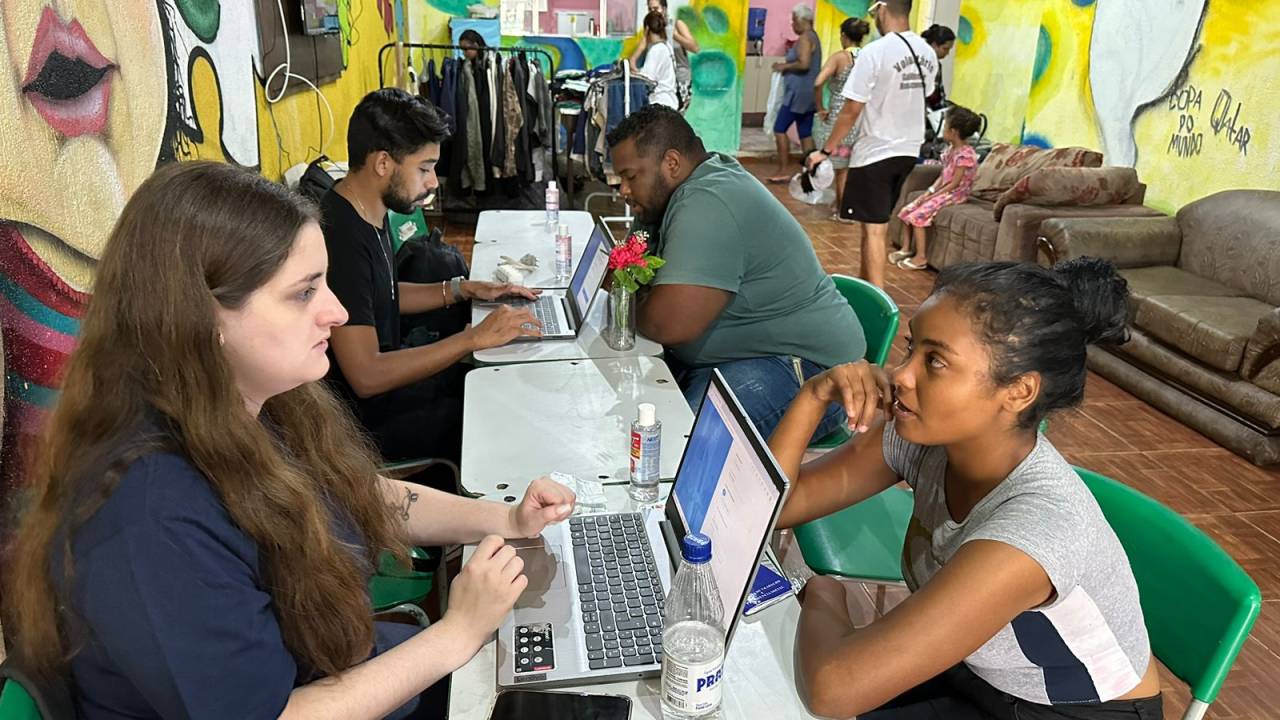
885 78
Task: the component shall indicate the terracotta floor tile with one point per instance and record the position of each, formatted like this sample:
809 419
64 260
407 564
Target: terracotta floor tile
1147 429
1073 431
1267 629
1146 475
1233 481
1268 521
1237 536
1099 390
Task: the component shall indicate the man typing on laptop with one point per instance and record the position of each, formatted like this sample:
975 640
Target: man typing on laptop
410 399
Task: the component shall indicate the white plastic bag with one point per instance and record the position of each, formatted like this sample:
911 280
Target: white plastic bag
773 103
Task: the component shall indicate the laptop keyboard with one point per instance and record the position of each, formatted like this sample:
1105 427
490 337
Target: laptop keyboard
619 590
544 308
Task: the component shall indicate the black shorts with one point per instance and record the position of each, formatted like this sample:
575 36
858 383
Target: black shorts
871 191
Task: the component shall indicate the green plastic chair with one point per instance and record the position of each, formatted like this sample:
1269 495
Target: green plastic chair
879 317
396 220
862 541
16 703
1199 604
396 590
21 698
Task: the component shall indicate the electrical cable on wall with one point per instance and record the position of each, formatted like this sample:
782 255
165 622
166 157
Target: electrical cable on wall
287 67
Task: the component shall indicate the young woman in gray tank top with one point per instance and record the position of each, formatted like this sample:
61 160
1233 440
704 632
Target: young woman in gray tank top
1022 601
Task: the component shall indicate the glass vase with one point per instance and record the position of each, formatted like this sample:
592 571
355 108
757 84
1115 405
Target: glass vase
620 320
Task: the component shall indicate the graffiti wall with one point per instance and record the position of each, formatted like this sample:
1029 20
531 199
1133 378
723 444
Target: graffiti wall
1179 89
102 91
720 27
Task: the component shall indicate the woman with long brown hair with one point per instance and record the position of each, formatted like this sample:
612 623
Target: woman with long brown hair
205 514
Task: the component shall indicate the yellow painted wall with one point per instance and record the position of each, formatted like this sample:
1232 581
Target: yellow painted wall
1181 89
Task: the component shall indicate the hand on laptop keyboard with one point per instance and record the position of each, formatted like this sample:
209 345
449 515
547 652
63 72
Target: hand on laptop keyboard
502 326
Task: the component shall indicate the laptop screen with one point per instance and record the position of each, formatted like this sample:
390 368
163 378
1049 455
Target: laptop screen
589 274
728 488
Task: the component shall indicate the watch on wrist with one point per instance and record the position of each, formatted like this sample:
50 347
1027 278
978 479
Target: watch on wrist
456 286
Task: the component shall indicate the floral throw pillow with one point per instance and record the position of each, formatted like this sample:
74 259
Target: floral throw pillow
1007 164
1074 186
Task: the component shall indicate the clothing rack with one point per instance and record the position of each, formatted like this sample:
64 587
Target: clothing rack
613 194
514 50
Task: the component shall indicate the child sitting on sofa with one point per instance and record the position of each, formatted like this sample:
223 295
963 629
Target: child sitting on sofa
960 167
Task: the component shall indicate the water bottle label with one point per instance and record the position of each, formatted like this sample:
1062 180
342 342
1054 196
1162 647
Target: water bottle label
692 688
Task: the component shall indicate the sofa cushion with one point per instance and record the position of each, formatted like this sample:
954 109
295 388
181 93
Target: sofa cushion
1230 237
1007 164
1145 282
1226 389
1213 330
963 233
1074 186
1262 355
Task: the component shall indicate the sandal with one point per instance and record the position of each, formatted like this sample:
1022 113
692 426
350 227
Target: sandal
780 179
910 264
899 255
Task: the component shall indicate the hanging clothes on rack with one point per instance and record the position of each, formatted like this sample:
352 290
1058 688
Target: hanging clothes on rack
603 109
513 120
472 175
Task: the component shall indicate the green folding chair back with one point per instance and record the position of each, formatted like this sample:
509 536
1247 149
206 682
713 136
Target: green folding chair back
23 698
396 589
1199 604
395 221
879 317
877 313
16 703
862 541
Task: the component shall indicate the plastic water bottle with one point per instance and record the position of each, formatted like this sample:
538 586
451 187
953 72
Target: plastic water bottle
564 252
693 637
646 454
553 206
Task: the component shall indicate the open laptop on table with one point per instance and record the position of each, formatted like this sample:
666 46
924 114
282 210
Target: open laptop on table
592 612
563 314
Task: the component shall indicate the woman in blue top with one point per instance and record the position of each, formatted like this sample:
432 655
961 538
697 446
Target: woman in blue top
205 514
799 70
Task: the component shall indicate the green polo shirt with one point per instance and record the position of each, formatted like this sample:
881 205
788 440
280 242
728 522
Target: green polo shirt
724 230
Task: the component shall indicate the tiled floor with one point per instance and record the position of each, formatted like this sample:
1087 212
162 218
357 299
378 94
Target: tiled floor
1120 436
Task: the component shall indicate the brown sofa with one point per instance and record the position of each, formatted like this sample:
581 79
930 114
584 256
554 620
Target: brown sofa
1001 220
1205 287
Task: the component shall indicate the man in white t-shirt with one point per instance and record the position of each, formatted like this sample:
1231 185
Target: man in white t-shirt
886 98
659 62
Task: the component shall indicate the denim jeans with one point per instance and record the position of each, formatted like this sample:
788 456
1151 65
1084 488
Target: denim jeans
765 387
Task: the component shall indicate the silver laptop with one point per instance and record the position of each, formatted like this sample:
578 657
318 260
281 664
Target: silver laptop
592 612
563 314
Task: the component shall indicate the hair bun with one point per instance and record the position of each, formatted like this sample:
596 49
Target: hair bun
1101 298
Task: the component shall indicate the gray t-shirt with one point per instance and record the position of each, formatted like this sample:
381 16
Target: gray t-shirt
725 230
1088 644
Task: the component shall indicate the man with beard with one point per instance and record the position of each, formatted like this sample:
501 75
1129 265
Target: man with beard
409 398
742 289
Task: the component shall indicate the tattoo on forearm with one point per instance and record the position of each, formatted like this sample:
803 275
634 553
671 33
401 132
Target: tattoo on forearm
402 507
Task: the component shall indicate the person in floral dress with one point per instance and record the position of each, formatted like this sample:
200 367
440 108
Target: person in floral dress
960 167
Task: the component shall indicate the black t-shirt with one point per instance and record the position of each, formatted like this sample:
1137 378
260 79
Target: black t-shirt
362 274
